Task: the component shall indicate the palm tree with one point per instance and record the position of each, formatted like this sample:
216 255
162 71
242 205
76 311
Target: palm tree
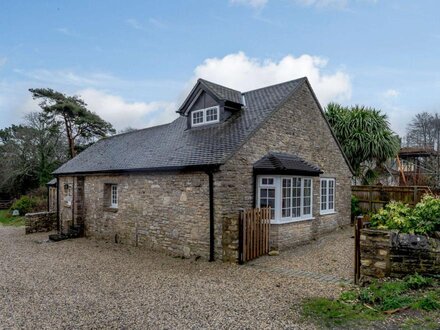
364 134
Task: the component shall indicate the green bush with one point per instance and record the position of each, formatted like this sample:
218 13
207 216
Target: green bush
426 215
395 215
355 209
25 204
423 219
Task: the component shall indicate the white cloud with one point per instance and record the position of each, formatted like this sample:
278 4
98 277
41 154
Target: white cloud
243 73
256 4
324 3
391 93
124 114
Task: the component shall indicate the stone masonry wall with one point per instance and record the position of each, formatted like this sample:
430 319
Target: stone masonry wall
163 211
40 222
390 254
297 128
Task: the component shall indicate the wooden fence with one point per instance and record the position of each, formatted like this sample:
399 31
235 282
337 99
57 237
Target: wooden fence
254 233
360 223
372 198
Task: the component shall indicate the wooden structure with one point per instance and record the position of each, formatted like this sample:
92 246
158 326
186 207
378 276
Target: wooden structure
413 165
254 233
360 223
372 198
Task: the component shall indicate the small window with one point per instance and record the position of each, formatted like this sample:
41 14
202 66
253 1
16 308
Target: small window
114 195
267 195
205 116
197 117
327 196
110 196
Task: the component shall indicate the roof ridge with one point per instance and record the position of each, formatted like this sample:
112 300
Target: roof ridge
210 82
278 84
135 131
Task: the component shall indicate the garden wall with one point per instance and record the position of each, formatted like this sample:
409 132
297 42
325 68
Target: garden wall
391 254
40 222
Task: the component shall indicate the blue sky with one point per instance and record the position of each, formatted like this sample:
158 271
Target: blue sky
133 61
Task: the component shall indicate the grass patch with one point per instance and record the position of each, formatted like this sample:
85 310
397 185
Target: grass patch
378 301
6 219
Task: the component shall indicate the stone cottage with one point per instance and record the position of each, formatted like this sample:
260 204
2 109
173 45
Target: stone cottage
179 187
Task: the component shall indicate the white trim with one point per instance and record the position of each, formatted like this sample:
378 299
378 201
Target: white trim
204 120
277 185
327 190
113 193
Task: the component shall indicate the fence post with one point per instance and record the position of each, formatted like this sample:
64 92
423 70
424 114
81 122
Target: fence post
357 248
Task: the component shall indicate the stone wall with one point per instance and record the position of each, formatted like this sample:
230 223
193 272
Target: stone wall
40 222
299 128
163 211
390 254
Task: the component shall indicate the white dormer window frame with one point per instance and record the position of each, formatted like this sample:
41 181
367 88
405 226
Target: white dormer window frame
205 116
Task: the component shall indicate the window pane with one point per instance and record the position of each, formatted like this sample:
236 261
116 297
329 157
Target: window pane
211 114
307 210
323 195
267 199
197 117
296 197
286 199
331 194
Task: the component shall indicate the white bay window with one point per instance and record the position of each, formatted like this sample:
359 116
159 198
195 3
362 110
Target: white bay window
290 197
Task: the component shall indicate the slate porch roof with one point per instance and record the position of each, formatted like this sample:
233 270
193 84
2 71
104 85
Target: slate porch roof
173 146
281 163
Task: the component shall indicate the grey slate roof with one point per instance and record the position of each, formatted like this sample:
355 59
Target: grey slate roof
222 92
174 146
279 163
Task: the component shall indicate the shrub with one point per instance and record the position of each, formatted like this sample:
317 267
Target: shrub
25 204
426 215
355 209
423 219
417 281
395 215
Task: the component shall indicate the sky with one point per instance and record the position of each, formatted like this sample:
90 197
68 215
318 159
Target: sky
133 62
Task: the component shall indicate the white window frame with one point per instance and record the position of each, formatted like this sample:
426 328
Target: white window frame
324 205
277 184
204 118
114 196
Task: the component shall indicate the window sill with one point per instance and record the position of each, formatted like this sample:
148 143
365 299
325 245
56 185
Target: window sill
327 213
282 222
111 209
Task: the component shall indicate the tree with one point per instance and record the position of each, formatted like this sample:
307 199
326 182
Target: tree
72 113
29 153
422 130
365 136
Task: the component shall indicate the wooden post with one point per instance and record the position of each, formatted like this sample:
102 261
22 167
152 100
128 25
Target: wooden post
357 248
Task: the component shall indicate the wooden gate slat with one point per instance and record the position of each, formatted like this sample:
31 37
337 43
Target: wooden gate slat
255 233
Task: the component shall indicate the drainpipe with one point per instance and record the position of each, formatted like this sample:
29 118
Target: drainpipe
48 198
58 206
211 216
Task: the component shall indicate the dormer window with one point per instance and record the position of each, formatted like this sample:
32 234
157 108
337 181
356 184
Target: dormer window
205 116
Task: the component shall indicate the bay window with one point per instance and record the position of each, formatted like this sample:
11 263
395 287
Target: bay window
290 197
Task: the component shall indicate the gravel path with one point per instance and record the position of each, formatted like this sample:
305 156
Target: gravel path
329 258
88 285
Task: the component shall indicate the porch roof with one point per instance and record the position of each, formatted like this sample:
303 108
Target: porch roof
281 163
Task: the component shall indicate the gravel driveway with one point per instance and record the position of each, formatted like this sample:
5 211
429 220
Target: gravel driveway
87 284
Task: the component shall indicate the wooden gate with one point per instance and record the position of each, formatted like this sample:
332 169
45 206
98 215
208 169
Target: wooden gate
254 233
